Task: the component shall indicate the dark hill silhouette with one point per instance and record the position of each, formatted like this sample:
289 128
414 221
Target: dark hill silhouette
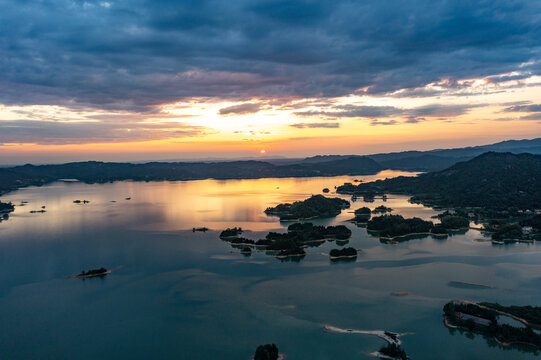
491 180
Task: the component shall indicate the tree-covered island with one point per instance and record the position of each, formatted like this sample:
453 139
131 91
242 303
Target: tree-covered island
393 351
6 207
230 233
267 352
382 209
362 215
344 253
293 242
316 206
396 227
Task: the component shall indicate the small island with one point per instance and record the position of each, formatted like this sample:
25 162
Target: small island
316 206
392 351
391 227
6 207
345 253
230 233
81 201
396 227
362 215
101 272
382 209
508 325
202 229
267 352
326 190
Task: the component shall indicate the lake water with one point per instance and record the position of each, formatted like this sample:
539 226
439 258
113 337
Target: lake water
176 294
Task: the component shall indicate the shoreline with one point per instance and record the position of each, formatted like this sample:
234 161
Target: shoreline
389 336
502 343
342 257
517 318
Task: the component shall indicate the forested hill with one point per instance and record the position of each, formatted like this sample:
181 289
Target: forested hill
99 172
491 180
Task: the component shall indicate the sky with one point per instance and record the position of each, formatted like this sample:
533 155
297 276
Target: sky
127 80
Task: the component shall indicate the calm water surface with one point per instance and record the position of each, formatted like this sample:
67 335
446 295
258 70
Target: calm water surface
176 294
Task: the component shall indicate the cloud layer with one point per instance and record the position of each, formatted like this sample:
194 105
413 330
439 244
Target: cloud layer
133 54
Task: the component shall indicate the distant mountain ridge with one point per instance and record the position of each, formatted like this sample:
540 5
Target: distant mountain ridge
12 178
439 159
101 172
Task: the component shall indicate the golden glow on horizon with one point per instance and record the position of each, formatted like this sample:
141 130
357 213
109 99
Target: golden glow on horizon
202 127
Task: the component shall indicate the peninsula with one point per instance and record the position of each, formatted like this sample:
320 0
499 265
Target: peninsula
500 190
493 320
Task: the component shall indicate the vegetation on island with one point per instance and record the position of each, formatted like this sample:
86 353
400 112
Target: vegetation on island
484 319
508 232
531 314
316 206
325 190
499 190
362 215
6 207
348 252
231 232
534 222
238 241
491 181
454 222
394 351
382 209
390 226
293 242
266 352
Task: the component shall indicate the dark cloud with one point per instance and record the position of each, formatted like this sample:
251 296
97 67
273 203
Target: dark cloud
375 112
61 133
247 108
135 54
535 116
439 110
329 125
524 108
384 122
